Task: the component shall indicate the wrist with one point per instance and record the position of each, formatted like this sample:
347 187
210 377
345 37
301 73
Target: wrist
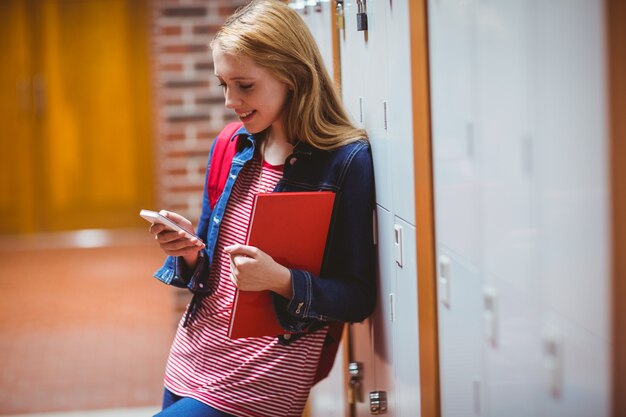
283 283
191 260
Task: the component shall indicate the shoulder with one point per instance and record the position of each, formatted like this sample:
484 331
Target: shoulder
354 158
358 151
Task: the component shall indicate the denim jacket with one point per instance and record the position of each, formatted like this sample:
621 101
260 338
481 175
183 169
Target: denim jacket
345 290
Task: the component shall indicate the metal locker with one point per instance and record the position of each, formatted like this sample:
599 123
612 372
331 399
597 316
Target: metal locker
361 371
505 129
572 192
376 84
512 350
352 62
406 343
509 228
572 202
460 316
399 109
541 222
364 79
580 370
453 126
384 318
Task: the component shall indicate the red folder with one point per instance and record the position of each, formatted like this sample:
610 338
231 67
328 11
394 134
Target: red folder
292 228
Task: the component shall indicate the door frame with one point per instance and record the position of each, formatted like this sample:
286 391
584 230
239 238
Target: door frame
616 55
424 213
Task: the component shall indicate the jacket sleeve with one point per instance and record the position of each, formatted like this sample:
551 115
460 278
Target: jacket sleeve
174 271
347 289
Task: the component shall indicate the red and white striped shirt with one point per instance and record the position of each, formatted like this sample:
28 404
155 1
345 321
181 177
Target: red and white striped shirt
250 377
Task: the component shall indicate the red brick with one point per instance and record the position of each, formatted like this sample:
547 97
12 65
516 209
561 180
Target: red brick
185 48
171 67
175 136
170 30
194 11
205 29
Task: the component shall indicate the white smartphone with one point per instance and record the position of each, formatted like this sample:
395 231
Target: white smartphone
155 217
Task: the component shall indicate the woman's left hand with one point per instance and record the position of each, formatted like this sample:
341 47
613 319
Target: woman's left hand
254 270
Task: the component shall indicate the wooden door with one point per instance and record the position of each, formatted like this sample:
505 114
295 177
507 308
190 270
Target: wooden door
15 118
79 148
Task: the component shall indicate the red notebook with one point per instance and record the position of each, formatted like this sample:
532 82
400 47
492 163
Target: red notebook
292 228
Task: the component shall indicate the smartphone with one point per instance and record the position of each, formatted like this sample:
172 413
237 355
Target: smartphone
155 217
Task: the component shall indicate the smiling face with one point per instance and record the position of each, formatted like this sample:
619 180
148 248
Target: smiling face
255 95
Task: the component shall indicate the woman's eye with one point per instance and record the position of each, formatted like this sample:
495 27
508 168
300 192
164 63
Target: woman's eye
245 86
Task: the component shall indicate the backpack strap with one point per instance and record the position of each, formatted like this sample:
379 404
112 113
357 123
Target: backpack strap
223 153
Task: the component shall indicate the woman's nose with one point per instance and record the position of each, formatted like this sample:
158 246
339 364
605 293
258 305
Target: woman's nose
231 99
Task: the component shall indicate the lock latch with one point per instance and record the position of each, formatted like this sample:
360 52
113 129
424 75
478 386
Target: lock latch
378 402
340 15
355 373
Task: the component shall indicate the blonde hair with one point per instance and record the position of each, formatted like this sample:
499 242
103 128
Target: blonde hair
275 37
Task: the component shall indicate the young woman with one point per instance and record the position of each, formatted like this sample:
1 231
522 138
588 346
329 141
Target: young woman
295 136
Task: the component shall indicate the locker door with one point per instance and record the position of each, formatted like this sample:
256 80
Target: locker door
364 81
460 336
453 126
406 352
375 97
400 124
361 367
509 228
384 318
364 58
457 204
572 203
352 60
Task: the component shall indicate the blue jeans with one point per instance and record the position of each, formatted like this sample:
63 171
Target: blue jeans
176 406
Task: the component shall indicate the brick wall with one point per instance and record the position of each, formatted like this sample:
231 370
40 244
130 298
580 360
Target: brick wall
188 103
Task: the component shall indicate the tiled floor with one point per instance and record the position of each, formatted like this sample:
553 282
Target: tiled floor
83 328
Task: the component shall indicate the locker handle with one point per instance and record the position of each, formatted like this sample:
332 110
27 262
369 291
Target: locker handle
398 243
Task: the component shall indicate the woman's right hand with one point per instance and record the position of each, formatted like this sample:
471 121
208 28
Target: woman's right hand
176 243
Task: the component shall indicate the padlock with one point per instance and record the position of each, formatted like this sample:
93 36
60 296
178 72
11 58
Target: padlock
361 16
361 22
